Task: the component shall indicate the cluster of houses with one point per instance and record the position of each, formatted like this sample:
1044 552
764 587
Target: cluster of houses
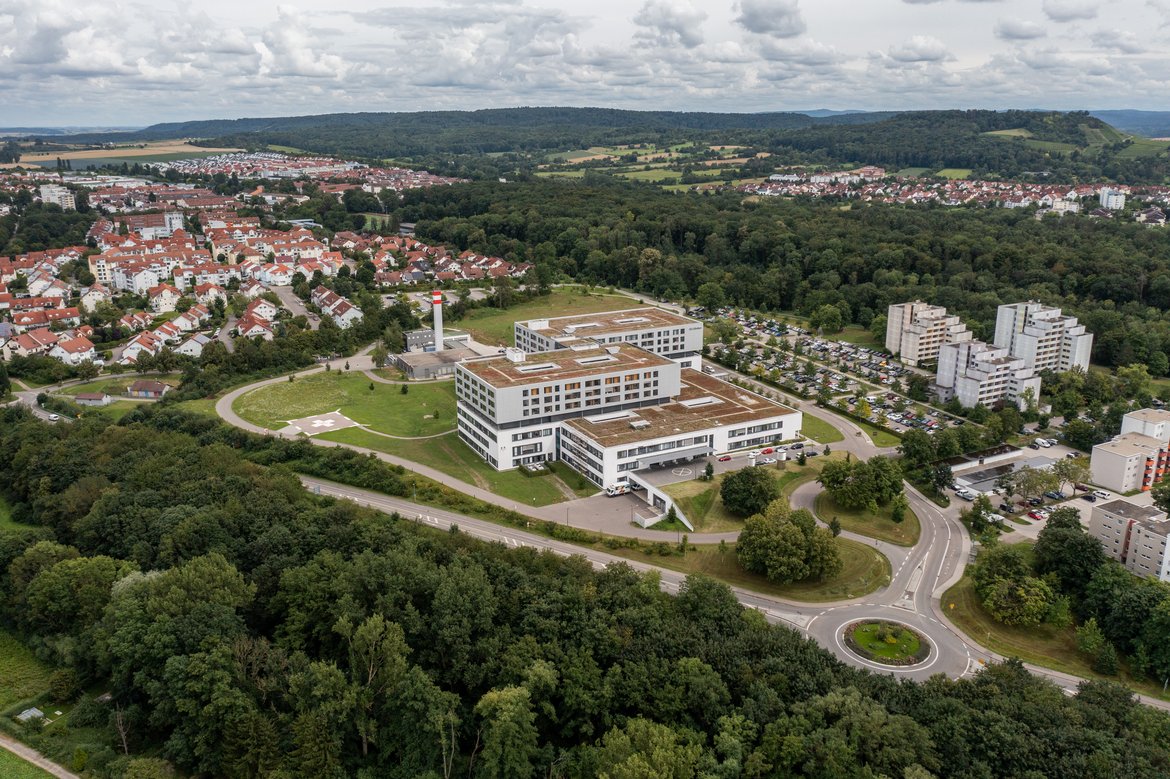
273 165
871 184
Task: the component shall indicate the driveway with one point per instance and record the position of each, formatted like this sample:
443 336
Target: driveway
296 306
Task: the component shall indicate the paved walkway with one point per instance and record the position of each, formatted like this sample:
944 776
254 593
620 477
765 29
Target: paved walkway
34 757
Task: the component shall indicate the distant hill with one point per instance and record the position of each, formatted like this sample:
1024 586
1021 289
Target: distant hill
1152 124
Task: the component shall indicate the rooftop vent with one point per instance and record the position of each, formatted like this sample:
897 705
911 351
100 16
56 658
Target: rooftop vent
538 368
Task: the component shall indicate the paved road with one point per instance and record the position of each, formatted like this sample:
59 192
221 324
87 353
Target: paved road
224 335
35 757
296 305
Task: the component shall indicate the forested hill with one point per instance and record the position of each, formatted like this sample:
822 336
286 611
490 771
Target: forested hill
489 130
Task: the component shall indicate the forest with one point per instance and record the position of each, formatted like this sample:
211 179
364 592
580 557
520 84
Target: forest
798 255
1057 146
245 627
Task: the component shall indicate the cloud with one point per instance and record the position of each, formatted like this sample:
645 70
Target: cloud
1070 10
666 22
1117 40
1018 30
920 48
781 18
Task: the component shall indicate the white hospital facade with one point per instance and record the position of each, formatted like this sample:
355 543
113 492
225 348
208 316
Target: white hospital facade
610 404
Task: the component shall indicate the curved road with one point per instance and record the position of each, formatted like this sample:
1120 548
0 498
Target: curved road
919 575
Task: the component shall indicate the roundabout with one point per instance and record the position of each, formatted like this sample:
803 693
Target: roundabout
886 642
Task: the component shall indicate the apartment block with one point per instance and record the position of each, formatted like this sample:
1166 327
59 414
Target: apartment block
1129 462
1043 337
975 374
1152 422
656 330
1136 536
916 331
606 410
1113 199
60 196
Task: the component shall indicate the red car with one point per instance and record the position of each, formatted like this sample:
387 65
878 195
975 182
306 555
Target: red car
769 450
724 458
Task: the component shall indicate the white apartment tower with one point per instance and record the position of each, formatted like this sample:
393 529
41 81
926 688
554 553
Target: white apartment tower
1043 337
978 374
916 331
61 196
1112 199
1136 536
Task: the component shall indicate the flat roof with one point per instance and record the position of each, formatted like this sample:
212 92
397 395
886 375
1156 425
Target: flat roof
704 402
1150 415
1130 444
563 364
607 322
449 355
1123 508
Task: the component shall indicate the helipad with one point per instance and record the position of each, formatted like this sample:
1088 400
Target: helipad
322 423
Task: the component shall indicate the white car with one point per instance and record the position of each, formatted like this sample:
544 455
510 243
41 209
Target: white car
965 494
54 418
1102 494
1043 442
769 461
754 453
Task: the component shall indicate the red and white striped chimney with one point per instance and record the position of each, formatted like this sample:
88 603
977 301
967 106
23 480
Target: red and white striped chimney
437 313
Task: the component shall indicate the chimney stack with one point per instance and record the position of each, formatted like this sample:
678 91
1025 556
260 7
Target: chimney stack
437 313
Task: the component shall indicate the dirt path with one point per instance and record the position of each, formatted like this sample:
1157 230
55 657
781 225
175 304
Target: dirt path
36 758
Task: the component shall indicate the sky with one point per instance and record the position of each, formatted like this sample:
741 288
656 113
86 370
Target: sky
82 63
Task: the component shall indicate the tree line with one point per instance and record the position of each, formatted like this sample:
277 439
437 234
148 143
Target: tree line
245 627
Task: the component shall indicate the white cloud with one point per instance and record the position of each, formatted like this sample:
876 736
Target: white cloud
920 48
1117 40
1070 10
667 22
781 18
1018 30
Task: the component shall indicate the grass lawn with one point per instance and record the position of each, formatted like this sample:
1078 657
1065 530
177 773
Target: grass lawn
114 411
862 522
702 505
955 173
13 767
1043 645
819 430
860 336
911 171
494 325
863 570
22 675
1143 147
453 457
204 406
869 637
116 385
564 174
6 520
879 437
384 408
581 486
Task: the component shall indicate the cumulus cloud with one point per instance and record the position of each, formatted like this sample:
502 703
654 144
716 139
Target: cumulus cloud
1117 40
1018 30
920 48
1070 10
667 22
781 18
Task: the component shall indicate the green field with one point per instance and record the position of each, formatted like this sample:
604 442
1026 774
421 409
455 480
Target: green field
862 522
880 438
564 174
453 457
819 430
494 326
864 570
286 149
22 676
911 171
113 159
384 408
1143 147
1017 132
860 336
700 501
117 385
13 767
114 411
6 520
955 173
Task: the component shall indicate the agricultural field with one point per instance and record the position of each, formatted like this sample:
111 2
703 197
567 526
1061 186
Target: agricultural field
157 151
911 172
22 676
1144 147
426 409
494 326
955 173
13 767
1055 146
1017 132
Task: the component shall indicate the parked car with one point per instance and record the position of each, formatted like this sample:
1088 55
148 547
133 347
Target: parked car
54 418
1037 515
1055 495
1035 501
1033 445
768 450
1102 494
1007 508
965 493
768 461
796 447
1043 442
724 458
1089 497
